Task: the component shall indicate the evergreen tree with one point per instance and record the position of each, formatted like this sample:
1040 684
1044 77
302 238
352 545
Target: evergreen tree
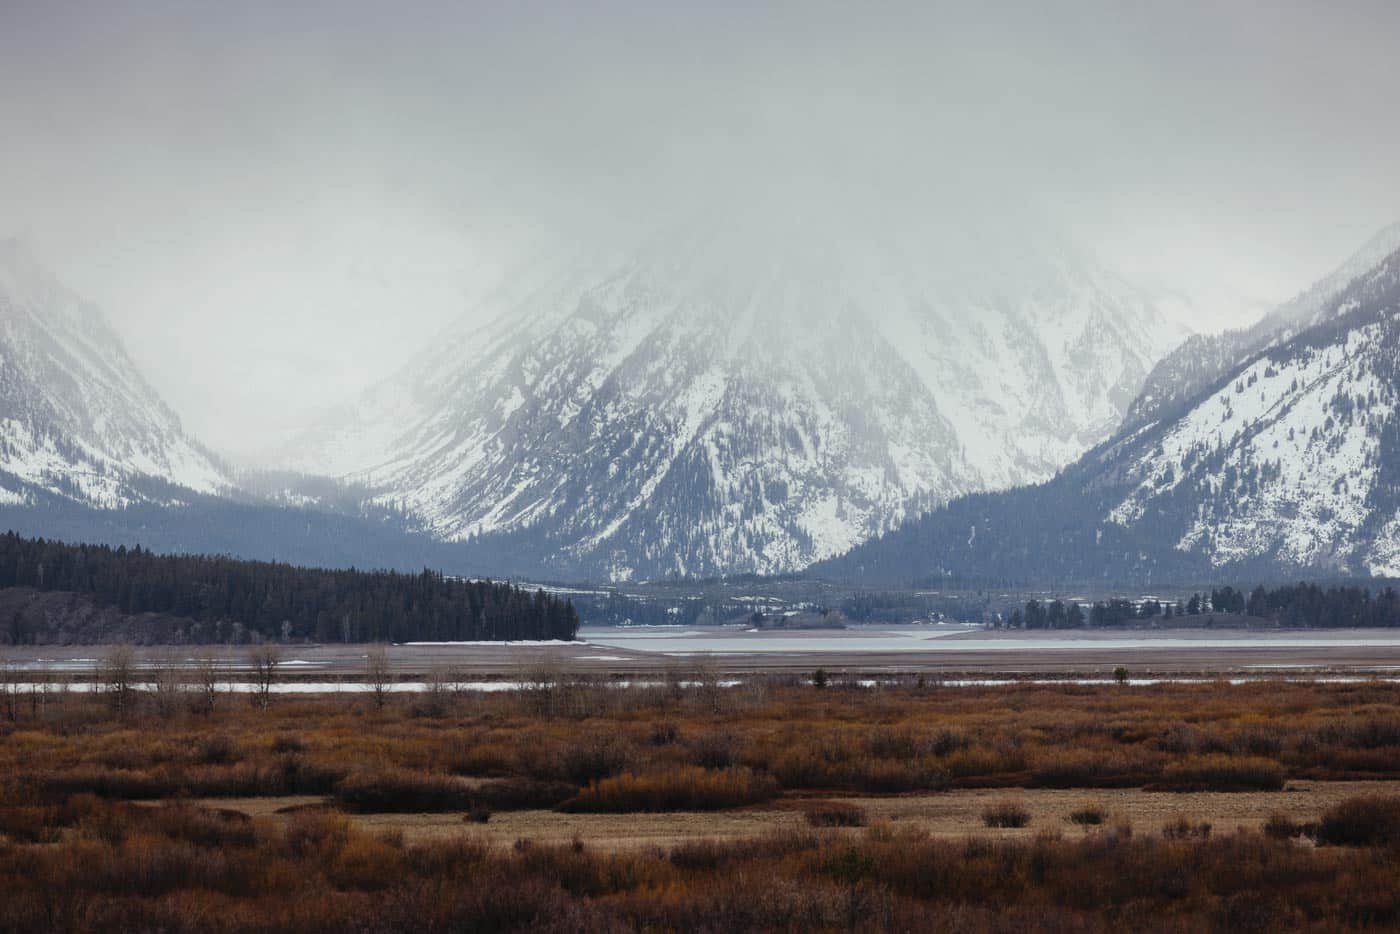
274 601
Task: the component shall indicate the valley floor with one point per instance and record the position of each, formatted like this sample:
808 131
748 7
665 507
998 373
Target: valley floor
951 652
778 802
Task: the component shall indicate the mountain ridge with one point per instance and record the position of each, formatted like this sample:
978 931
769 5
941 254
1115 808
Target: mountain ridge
747 408
77 418
1182 374
1288 461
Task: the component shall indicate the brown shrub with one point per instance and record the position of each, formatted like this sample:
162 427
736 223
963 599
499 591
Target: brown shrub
1369 733
1364 821
990 765
400 790
203 827
1090 770
716 854
802 768
1223 773
713 750
494 758
450 859
893 743
889 776
113 783
308 833
1006 814
219 749
288 743
296 775
596 758
945 742
806 768
366 864
663 734
1283 827
517 794
682 789
833 814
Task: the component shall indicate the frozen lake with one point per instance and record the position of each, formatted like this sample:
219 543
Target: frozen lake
961 639
643 653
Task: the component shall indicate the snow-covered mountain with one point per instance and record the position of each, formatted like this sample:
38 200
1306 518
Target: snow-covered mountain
723 402
1287 460
1202 359
1296 456
77 420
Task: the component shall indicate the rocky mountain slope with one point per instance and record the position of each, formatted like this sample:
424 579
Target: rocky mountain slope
1202 359
723 403
77 420
1288 460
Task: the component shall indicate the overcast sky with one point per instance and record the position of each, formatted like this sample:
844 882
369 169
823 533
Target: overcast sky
276 203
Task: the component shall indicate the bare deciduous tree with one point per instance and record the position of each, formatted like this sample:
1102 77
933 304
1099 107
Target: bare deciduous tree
39 691
264 660
705 678
437 690
541 685
116 676
378 673
205 682
9 686
163 680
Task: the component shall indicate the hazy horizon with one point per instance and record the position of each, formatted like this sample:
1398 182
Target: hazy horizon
277 207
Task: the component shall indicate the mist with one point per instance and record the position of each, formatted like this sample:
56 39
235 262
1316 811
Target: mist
277 207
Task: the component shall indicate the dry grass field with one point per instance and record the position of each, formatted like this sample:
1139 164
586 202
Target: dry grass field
948 814
572 804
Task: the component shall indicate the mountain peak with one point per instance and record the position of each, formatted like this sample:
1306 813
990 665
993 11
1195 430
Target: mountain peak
722 401
1285 460
79 421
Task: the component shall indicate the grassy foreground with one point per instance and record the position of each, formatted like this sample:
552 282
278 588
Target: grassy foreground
97 830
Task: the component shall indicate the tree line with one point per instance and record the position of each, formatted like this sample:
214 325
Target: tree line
1294 605
228 600
1310 605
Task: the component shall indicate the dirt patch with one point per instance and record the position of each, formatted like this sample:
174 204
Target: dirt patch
957 813
277 807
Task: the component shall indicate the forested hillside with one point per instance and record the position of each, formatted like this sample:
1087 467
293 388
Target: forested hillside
228 600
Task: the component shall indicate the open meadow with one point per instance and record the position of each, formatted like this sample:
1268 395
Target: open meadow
569 802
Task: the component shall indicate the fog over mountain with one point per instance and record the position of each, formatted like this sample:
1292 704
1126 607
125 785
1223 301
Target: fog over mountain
718 401
1284 461
276 205
641 290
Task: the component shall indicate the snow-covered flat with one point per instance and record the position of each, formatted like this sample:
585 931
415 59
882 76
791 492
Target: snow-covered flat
653 654
755 641
955 640
497 644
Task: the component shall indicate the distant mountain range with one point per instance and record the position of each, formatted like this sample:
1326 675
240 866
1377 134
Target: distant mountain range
724 402
1267 452
1180 376
89 452
77 420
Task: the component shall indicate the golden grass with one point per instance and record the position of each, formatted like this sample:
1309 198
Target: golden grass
320 815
